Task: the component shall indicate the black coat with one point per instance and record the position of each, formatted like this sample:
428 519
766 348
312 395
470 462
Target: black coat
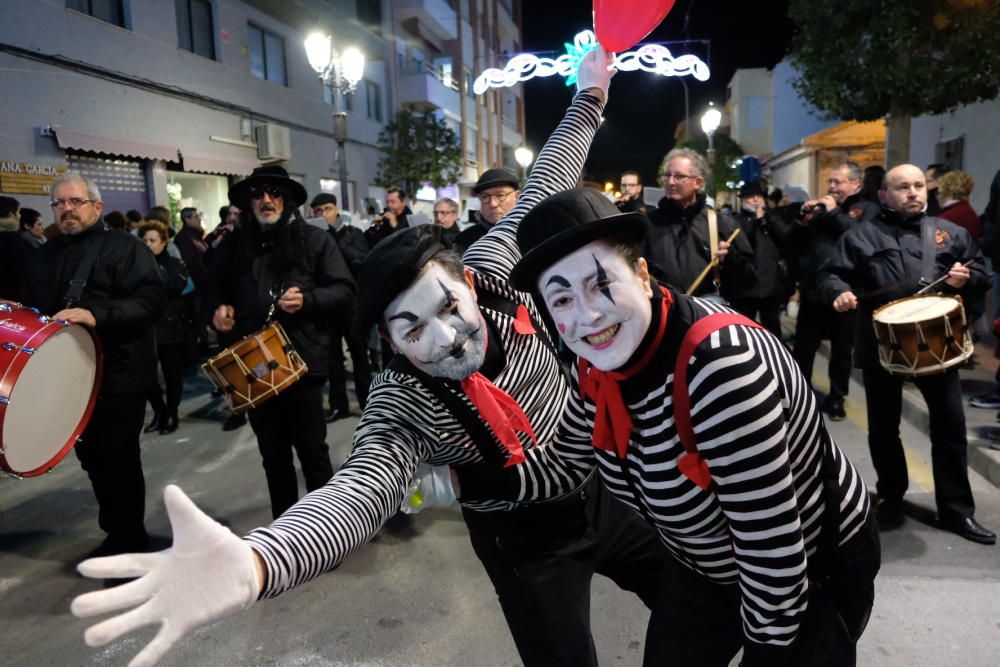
677 249
880 261
125 293
811 244
245 274
469 235
14 255
450 235
767 237
175 325
373 236
990 240
353 245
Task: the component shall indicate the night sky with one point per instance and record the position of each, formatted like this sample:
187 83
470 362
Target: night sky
644 109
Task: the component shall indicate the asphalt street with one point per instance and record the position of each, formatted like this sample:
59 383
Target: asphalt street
416 595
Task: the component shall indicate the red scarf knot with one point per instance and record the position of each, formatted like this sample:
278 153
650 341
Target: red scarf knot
501 412
522 322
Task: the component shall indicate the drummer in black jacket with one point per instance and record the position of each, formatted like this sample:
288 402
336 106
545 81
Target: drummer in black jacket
275 266
123 298
876 263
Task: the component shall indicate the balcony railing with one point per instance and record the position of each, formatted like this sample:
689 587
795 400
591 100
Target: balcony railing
414 67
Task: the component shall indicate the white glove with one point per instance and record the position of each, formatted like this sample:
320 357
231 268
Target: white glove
595 72
208 574
431 487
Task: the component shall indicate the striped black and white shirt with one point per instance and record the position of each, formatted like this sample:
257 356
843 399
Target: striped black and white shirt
757 425
404 425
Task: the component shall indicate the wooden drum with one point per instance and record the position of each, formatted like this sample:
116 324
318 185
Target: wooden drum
922 335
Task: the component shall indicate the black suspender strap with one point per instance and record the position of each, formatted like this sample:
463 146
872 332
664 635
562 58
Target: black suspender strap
927 250
83 269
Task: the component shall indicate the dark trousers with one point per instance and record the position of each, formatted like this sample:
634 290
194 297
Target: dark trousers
109 452
816 322
949 455
769 310
171 356
358 349
541 560
292 420
696 622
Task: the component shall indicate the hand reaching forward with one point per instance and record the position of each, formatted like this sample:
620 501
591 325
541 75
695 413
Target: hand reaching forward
593 73
207 575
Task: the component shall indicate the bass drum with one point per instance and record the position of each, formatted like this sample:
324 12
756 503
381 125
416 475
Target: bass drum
50 375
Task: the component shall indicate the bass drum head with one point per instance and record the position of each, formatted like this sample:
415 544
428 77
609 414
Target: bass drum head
916 309
50 401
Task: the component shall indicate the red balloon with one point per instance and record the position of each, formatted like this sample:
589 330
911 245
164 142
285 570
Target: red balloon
620 24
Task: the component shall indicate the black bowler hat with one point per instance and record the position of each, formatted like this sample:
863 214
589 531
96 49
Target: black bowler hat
239 194
491 178
752 188
564 223
390 268
322 199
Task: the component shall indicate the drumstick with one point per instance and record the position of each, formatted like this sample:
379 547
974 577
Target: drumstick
712 264
943 278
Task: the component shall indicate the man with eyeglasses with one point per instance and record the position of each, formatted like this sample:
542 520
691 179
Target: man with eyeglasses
446 217
497 190
631 189
678 246
276 266
123 298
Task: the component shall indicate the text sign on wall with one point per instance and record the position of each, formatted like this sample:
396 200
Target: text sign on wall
28 178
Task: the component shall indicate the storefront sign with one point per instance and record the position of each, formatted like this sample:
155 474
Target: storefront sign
28 178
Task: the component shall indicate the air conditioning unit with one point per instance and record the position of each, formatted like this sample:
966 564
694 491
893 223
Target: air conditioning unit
274 142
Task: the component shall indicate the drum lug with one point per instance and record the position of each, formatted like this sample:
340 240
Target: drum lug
5 308
13 347
4 401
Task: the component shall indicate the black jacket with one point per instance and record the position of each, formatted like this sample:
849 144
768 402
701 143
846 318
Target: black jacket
470 235
353 246
373 236
125 293
767 236
450 235
812 243
193 248
990 240
175 324
244 273
633 206
880 261
677 248
14 254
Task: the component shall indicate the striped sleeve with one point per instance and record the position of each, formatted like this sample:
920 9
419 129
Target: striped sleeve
557 168
739 412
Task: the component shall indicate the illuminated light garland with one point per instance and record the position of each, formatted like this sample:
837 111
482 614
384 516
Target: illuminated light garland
654 58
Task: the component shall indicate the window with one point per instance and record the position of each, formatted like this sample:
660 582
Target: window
112 11
267 55
346 101
195 31
950 153
370 12
373 96
469 84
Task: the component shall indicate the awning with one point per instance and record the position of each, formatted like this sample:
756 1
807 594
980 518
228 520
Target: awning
108 146
213 165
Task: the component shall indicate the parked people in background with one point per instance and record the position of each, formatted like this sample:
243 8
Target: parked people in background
934 172
446 217
631 189
396 216
32 228
871 182
171 331
954 190
160 214
190 242
134 219
117 220
9 216
498 191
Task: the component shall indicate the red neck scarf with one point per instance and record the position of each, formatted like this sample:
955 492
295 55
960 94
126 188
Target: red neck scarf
501 412
612 423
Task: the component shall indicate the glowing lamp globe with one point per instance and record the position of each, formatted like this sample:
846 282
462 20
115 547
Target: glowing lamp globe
319 51
352 65
710 120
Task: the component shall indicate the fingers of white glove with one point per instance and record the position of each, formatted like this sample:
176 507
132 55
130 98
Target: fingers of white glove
112 599
120 567
113 628
189 524
156 649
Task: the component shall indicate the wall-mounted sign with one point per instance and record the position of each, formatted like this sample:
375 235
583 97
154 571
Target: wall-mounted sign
28 178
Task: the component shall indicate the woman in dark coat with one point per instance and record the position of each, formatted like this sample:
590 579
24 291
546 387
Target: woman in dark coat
171 330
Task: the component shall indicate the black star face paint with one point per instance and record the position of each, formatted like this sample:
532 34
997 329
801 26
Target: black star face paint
602 280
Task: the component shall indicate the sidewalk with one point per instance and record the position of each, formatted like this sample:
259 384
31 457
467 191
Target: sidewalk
982 425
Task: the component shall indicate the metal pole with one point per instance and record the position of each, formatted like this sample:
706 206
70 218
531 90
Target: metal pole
711 149
340 136
687 110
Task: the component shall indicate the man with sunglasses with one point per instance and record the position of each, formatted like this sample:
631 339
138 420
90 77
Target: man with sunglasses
678 246
274 266
122 299
497 190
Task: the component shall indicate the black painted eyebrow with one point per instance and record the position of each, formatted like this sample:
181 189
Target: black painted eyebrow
404 315
558 280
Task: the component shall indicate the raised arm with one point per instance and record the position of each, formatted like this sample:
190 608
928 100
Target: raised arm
557 168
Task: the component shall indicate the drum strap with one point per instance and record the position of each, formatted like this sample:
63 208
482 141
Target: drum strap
79 281
927 250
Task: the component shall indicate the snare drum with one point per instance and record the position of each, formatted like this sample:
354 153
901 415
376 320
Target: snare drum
922 335
256 368
50 374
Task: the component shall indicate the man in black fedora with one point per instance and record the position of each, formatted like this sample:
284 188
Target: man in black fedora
498 191
274 266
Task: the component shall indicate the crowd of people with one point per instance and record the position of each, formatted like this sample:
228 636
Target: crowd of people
605 387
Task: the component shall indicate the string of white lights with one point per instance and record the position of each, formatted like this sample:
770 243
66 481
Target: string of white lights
653 58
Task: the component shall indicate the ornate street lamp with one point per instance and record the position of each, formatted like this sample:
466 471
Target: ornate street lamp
524 156
340 71
710 121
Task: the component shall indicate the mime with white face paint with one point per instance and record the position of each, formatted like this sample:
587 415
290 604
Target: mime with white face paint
475 385
769 525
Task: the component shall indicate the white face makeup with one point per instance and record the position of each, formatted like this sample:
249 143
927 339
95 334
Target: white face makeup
437 325
600 305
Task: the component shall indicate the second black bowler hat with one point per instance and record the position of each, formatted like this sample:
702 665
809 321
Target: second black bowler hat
390 268
564 223
239 194
491 178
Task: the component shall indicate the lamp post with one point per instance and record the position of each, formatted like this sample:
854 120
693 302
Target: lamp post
524 156
710 121
340 71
